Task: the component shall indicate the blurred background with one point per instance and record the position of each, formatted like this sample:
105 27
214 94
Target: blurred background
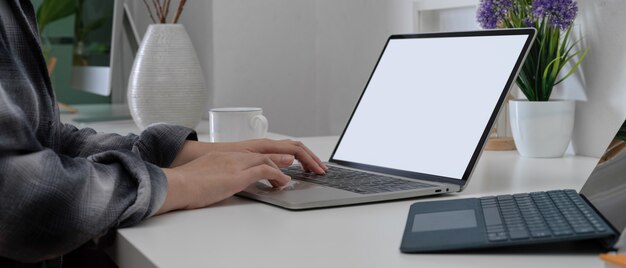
305 62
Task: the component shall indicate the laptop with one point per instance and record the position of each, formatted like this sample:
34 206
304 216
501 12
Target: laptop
591 219
420 124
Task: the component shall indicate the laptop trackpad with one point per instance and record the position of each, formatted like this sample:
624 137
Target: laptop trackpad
298 192
443 225
447 220
293 185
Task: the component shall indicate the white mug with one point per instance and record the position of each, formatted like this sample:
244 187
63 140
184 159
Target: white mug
237 124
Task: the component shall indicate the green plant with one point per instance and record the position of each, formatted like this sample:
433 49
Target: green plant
552 49
82 28
48 12
52 10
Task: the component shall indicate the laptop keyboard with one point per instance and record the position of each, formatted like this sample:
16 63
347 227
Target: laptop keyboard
355 181
539 215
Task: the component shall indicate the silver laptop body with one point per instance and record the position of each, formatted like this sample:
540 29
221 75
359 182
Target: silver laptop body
424 116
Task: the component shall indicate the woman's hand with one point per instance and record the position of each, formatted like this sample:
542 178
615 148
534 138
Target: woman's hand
192 150
205 173
307 158
218 175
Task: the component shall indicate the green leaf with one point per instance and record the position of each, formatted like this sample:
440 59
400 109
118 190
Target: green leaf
93 25
53 10
575 65
569 49
541 57
565 40
546 75
556 67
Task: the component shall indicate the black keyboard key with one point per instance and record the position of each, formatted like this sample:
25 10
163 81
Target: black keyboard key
543 233
584 230
499 236
518 234
492 216
600 228
562 232
495 229
504 197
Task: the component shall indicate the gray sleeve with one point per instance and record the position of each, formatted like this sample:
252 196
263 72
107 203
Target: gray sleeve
51 202
158 144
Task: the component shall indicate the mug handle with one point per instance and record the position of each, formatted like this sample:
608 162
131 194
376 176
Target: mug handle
259 124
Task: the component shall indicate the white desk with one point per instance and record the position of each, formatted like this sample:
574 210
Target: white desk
242 233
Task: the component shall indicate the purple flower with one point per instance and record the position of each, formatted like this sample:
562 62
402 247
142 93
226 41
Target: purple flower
490 13
559 13
528 22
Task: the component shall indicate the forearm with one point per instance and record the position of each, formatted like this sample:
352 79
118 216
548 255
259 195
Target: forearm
192 187
191 150
174 199
52 204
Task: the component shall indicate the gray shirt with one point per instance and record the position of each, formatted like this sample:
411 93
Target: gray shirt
61 186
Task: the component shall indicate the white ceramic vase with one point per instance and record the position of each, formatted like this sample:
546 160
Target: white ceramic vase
166 83
541 128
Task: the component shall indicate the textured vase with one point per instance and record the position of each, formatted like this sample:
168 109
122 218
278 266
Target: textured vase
541 128
166 83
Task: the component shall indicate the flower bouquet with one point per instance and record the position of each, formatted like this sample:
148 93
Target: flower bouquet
541 127
552 49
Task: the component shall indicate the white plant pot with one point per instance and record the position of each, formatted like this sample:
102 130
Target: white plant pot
166 82
541 128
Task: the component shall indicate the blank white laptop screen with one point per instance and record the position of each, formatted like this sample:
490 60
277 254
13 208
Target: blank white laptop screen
428 103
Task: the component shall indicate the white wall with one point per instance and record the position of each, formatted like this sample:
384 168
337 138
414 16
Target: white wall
305 62
264 56
599 117
351 35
